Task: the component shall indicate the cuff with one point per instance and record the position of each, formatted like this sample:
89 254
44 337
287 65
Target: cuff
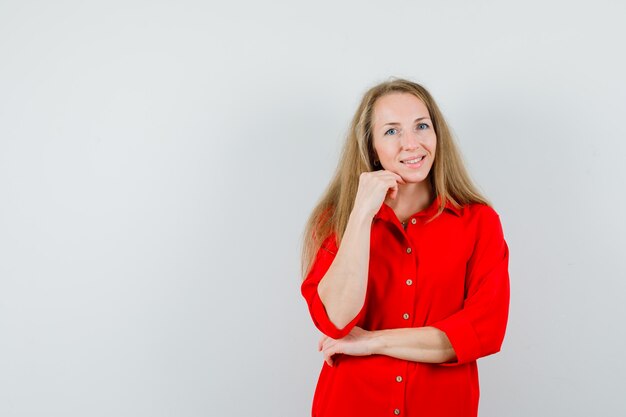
462 337
323 323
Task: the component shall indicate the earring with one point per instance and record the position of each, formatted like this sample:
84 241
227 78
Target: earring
376 162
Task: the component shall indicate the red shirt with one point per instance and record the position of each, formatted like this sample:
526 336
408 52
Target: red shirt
451 274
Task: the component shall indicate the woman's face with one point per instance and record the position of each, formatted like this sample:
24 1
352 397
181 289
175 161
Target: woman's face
404 137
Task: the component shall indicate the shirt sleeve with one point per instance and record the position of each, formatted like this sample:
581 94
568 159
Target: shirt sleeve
478 329
323 259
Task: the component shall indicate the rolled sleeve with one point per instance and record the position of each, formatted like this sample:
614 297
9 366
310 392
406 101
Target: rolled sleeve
323 259
478 329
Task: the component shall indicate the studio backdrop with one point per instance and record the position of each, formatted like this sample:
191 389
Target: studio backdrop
158 161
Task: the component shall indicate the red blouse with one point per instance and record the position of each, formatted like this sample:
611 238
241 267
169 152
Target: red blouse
451 274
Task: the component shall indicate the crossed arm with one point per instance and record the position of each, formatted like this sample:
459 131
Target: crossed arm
342 291
421 344
475 331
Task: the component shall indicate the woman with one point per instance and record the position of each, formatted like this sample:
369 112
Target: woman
405 267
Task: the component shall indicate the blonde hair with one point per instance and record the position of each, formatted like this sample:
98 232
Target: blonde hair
448 176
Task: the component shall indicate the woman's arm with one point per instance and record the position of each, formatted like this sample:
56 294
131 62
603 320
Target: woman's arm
421 344
343 288
475 331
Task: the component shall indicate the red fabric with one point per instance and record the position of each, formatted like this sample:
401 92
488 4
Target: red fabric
458 265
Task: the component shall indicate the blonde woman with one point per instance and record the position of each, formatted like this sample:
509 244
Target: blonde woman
405 267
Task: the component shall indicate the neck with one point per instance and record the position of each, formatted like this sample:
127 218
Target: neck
410 199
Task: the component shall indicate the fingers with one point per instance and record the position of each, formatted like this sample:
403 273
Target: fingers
329 360
328 354
374 187
328 347
320 344
390 178
391 182
398 178
393 192
385 173
355 343
328 344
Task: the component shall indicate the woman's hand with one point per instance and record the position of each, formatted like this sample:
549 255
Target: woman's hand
374 187
418 344
358 342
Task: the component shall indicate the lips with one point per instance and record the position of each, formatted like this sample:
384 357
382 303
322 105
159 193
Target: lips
413 160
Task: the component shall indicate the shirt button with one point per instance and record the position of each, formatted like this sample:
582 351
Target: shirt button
396 411
413 221
405 316
409 282
408 250
398 378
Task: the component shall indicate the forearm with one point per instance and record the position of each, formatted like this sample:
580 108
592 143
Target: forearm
343 288
422 344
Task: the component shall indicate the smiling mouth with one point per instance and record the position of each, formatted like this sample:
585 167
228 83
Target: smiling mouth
413 161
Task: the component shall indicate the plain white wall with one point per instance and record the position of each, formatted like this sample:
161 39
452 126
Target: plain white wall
158 161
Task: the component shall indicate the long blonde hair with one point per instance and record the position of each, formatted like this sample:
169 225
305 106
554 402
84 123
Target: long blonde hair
448 176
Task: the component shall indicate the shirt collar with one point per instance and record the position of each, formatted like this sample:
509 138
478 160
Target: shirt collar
387 213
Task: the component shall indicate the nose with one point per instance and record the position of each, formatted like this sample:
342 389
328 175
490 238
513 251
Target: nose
409 141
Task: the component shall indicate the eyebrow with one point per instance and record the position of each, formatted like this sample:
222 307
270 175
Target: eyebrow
396 123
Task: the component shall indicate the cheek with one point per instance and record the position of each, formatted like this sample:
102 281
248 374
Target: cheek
433 143
429 139
383 151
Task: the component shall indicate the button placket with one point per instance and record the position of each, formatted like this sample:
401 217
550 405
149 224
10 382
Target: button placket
405 316
408 299
406 303
398 392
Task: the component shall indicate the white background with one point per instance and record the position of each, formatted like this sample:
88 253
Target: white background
158 160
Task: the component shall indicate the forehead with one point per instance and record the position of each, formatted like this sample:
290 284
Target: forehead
398 107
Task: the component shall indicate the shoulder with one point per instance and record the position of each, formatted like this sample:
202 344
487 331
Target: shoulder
482 216
479 210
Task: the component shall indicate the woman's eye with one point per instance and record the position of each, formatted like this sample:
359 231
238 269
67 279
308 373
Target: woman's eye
422 126
391 131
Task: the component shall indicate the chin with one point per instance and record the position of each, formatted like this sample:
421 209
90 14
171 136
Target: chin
414 179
